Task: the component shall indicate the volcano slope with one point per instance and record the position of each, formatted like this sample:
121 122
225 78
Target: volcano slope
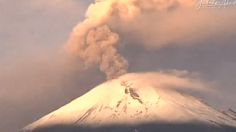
147 102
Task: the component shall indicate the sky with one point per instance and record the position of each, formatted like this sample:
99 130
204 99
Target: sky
36 79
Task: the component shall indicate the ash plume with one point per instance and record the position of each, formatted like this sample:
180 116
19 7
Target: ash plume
93 41
154 23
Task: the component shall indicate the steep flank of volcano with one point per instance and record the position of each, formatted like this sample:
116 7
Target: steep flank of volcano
135 99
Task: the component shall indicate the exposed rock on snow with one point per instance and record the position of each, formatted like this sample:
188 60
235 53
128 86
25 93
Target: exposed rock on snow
138 99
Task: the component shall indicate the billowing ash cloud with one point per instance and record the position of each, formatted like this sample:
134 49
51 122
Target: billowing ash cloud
93 41
100 48
153 23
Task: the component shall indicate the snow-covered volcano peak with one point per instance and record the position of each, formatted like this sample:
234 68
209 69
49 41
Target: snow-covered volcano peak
136 99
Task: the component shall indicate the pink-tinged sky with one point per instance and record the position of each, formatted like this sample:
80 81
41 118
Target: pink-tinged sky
35 79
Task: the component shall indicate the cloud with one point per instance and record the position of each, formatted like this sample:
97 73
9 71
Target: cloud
171 79
98 16
178 27
153 24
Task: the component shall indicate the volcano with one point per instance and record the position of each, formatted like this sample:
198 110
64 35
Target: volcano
138 103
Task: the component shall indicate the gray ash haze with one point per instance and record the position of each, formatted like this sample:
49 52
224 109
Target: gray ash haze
41 69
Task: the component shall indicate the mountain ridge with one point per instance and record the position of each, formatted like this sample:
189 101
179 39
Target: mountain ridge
133 100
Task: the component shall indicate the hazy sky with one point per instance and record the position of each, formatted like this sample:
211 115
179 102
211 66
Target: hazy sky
35 79
31 32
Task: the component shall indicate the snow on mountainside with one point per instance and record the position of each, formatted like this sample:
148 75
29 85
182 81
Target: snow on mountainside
135 99
230 113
